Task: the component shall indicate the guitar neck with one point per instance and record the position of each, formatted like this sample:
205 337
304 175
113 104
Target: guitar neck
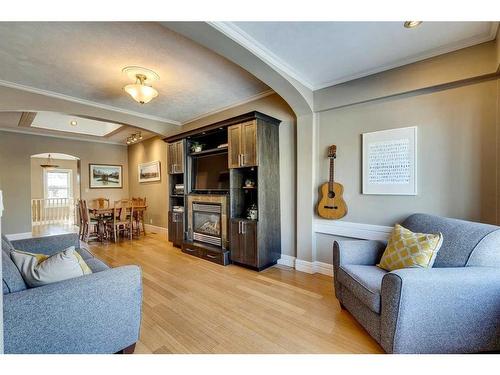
332 172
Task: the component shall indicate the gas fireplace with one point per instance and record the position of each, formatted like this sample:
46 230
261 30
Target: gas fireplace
207 223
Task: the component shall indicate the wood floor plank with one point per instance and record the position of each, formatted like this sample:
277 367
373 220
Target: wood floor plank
193 306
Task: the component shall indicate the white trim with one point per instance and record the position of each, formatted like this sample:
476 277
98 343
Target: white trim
154 228
56 95
242 38
314 267
11 130
237 104
287 260
352 230
19 236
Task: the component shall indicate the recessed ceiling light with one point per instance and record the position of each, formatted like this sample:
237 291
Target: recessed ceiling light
412 24
73 123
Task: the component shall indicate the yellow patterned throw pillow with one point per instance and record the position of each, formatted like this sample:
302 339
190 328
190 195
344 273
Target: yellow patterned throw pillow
410 250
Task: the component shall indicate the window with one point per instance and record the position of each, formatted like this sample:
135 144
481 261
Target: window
58 184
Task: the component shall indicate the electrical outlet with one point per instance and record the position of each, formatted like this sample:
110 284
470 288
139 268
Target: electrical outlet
150 221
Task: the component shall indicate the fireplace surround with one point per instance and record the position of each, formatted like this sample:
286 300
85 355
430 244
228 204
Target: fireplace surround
207 219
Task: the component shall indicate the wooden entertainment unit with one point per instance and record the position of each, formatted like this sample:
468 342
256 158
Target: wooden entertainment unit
229 208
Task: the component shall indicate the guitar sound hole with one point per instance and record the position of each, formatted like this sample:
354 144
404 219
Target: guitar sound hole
331 194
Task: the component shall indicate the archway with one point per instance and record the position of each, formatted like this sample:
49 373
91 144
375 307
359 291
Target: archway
55 189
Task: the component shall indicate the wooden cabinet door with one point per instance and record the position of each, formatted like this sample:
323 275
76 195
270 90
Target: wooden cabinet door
234 146
179 160
171 231
178 228
172 157
237 252
249 144
249 238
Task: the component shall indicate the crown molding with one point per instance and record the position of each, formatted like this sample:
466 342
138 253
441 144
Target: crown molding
14 130
239 36
242 38
86 102
464 43
234 105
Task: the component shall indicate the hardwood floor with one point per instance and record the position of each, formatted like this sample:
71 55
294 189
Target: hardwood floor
193 306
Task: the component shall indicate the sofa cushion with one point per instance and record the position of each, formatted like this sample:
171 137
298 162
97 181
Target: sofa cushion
85 254
364 282
96 265
407 249
460 237
12 280
39 269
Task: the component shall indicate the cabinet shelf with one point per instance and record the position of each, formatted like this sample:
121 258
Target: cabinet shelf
176 196
249 187
217 150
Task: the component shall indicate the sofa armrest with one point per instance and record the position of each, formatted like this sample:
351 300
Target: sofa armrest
359 252
48 244
97 313
441 310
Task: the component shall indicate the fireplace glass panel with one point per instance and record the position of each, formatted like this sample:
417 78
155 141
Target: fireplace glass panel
207 223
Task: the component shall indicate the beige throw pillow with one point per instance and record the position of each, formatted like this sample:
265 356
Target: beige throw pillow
39 269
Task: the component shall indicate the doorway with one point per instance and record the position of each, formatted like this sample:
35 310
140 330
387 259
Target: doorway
55 190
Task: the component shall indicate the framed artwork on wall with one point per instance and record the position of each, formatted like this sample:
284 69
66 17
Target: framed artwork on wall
103 176
149 172
390 162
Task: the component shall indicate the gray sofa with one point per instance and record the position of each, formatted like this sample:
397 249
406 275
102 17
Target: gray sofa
453 307
96 313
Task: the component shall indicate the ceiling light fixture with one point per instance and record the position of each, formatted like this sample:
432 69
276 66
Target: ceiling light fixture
133 138
49 164
73 123
412 24
141 91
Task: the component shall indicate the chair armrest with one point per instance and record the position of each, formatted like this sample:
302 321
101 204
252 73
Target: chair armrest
357 252
97 313
441 310
48 244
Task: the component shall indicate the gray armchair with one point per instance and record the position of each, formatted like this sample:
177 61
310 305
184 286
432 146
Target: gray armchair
96 313
453 307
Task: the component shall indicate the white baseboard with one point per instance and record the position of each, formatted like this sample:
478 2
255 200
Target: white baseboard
352 230
153 228
314 267
287 260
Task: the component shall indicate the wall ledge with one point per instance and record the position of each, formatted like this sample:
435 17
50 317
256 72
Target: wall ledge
352 230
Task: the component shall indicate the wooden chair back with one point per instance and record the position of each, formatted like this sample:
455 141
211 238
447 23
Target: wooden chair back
139 201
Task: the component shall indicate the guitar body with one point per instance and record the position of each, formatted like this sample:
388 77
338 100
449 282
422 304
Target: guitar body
332 204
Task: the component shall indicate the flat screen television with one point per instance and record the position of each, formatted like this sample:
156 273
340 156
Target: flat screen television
210 172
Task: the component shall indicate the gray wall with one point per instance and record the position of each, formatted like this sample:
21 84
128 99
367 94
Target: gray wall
457 161
15 172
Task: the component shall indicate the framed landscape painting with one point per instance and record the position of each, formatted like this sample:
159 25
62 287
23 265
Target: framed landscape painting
105 176
149 172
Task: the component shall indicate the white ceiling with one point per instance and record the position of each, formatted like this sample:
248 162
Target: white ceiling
62 122
321 54
84 60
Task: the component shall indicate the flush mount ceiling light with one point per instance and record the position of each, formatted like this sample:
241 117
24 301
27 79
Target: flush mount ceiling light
141 91
412 24
49 164
133 138
73 123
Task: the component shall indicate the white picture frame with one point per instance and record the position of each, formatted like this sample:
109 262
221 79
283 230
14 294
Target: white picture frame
390 162
149 172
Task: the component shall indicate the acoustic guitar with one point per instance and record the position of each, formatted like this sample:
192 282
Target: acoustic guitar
332 204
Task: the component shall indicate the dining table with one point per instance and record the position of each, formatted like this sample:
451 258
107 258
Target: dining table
101 214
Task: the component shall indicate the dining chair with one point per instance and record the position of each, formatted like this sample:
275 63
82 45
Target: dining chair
90 225
140 208
121 222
